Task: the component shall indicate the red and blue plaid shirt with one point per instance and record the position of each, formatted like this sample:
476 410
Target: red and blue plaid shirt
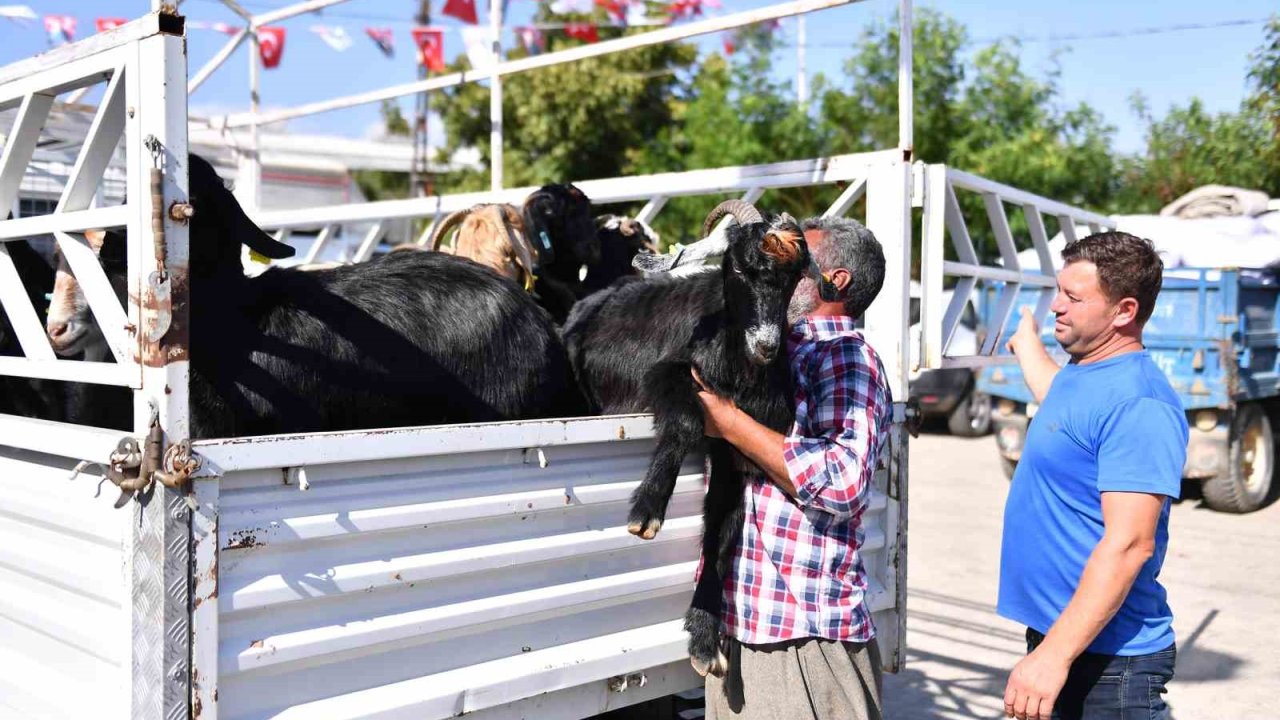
797 572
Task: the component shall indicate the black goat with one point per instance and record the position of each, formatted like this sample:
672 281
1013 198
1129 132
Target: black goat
559 225
621 240
408 339
634 346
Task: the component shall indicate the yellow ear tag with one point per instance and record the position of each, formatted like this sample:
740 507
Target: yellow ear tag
258 257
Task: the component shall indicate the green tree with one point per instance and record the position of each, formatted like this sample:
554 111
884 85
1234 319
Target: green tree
574 121
731 113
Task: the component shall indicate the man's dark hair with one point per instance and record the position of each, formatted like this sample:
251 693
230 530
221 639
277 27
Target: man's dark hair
1128 266
851 246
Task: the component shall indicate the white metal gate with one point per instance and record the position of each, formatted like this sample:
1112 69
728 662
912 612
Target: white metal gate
94 611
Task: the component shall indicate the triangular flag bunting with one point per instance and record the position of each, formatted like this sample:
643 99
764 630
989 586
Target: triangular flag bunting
105 24
383 38
464 10
430 42
563 7
479 45
531 39
61 28
335 36
586 32
270 45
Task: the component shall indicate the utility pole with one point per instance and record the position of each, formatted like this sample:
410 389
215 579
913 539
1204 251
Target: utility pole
802 79
420 180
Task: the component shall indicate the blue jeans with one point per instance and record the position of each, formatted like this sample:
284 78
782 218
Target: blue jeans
1113 687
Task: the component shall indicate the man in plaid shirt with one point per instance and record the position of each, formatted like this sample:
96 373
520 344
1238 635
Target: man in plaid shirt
801 641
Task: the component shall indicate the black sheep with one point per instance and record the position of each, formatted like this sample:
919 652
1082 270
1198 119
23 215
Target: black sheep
29 397
408 339
634 346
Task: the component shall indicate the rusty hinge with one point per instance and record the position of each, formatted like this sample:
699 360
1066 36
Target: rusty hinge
133 467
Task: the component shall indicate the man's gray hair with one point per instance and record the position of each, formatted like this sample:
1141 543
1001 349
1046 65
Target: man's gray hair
850 245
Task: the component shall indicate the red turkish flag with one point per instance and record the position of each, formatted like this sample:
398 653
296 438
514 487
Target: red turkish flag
430 42
105 24
270 45
464 10
586 32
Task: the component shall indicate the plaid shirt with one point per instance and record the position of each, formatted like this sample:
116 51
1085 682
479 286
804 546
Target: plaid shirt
796 571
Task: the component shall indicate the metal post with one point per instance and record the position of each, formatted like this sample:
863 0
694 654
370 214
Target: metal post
906 95
249 174
802 79
160 552
495 99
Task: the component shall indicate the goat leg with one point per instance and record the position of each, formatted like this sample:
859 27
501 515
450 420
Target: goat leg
680 431
722 516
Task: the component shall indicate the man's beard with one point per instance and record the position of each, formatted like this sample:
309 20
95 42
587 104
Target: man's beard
803 301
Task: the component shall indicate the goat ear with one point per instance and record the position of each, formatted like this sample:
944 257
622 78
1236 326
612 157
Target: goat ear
206 185
647 263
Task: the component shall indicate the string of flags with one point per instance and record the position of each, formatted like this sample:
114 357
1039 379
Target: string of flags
428 41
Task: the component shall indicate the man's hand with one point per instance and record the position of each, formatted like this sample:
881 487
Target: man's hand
719 414
1034 685
1027 335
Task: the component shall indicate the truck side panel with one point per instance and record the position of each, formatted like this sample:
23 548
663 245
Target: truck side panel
488 567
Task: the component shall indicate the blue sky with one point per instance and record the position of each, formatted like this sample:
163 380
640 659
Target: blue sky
1168 66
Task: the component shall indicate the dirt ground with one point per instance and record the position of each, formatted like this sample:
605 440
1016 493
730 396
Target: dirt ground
1222 573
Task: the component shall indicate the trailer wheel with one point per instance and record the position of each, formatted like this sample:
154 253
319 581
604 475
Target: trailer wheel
972 415
1246 483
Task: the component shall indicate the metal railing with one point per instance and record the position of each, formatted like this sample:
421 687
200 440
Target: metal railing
944 219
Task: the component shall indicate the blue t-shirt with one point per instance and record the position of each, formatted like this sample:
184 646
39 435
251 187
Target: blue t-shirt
1114 425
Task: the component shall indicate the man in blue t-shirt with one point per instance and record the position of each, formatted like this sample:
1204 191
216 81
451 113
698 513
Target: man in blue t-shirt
1087 520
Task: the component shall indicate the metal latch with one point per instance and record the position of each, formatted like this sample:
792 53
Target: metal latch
133 468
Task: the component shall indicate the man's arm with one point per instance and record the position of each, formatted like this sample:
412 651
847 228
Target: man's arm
1128 541
762 445
1038 368
830 468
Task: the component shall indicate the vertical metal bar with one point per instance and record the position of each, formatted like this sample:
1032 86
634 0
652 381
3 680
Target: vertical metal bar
802 75
906 91
932 255
889 217
253 194
495 99
160 552
1040 238
204 603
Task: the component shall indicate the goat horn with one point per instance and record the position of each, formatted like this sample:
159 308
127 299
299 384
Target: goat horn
455 217
742 211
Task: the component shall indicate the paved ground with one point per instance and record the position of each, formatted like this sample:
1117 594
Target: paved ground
1222 572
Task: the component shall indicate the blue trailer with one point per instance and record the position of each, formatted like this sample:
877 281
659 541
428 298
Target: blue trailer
1215 335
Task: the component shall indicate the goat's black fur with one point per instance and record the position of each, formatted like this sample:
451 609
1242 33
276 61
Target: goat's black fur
560 227
621 239
408 339
634 346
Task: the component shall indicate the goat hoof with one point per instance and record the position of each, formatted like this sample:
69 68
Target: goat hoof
643 523
647 529
699 666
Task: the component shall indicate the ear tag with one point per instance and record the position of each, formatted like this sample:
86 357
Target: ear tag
159 289
258 257
546 241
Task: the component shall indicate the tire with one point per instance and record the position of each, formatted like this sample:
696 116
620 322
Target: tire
971 416
1008 466
1247 482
